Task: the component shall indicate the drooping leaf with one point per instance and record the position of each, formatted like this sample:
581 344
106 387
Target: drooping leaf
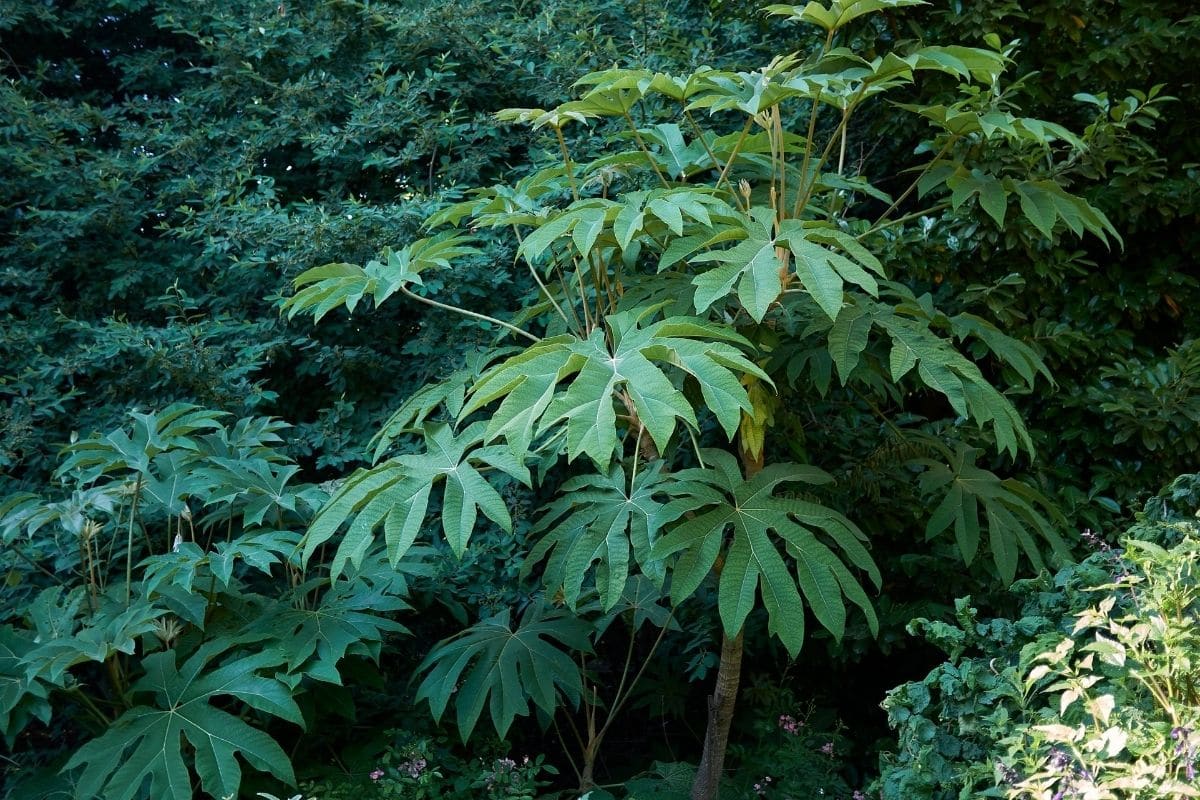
943 369
604 370
23 698
152 433
1011 509
759 522
260 551
753 264
597 521
349 618
145 745
838 13
504 667
255 488
822 270
395 495
420 406
848 338
1013 352
322 289
1044 203
66 636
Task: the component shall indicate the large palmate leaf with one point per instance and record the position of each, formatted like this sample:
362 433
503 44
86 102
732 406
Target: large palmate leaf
753 264
504 667
943 369
180 566
396 493
153 433
663 213
22 698
446 396
260 551
24 514
620 365
914 347
976 499
749 92
349 619
825 259
756 265
66 635
1012 352
641 603
147 742
584 221
597 520
744 521
324 288
256 488
838 13
168 482
676 156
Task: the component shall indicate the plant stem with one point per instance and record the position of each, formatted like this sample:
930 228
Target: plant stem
637 137
113 665
723 700
538 279
90 706
912 187
899 220
801 202
619 698
575 733
699 136
733 157
712 156
567 294
583 301
812 132
720 719
22 555
137 490
92 579
112 544
842 151
471 314
566 750
566 155
781 143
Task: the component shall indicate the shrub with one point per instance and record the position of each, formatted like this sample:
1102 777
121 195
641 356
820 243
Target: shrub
1090 692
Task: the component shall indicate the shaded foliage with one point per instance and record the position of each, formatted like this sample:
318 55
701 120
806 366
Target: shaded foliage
171 168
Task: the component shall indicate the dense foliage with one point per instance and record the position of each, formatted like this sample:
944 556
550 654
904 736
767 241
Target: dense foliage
1090 691
698 353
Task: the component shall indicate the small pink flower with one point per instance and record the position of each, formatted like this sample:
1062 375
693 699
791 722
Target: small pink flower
790 724
376 774
827 748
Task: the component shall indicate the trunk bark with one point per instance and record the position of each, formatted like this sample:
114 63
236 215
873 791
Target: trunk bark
720 718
